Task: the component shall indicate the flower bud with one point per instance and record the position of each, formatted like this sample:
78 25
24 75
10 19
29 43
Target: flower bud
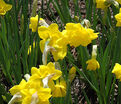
94 51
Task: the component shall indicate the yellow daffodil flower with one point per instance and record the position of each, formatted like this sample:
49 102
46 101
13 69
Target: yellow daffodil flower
33 23
30 92
57 42
36 96
44 74
16 92
78 35
117 71
17 88
72 73
92 64
102 4
118 18
59 89
4 7
49 32
45 70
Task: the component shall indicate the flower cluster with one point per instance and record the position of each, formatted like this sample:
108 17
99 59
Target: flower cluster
4 7
56 41
41 83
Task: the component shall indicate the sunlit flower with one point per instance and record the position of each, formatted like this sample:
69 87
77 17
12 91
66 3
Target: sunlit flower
117 71
30 92
16 92
38 74
118 18
78 35
92 64
102 4
33 23
59 89
4 7
36 96
57 42
17 88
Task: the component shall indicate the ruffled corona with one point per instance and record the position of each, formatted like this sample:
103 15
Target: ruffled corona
78 35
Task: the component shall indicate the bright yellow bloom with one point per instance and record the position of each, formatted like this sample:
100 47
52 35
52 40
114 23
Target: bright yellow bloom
92 64
33 23
49 32
117 71
102 4
36 96
59 90
56 41
72 73
30 92
78 35
4 7
17 88
118 18
48 70
44 70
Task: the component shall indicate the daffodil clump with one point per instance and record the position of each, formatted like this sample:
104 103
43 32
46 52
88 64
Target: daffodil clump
4 7
40 86
46 80
56 42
